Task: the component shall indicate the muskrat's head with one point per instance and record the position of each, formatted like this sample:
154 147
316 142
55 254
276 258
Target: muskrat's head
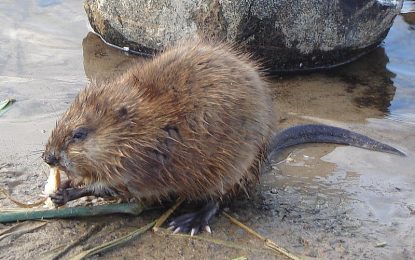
96 133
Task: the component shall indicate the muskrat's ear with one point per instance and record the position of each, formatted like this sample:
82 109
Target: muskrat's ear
122 112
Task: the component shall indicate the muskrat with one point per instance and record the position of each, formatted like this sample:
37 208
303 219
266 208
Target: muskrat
194 122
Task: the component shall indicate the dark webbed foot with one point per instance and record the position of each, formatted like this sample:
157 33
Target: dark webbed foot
196 221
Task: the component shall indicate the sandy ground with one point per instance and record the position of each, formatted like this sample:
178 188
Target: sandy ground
322 201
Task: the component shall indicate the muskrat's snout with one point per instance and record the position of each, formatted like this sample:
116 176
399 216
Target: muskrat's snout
50 158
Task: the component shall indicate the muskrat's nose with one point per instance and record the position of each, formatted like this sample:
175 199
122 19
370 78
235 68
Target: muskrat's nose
50 159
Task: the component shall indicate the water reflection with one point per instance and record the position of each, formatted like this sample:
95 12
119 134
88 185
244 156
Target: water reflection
409 18
408 7
351 93
102 62
399 46
370 77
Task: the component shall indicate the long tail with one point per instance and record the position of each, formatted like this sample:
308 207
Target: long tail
315 133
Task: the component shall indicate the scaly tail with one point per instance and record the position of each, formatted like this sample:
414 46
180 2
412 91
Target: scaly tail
325 134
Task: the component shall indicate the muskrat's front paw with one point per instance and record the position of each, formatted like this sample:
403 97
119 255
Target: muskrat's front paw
60 197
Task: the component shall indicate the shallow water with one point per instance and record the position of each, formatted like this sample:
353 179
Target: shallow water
321 201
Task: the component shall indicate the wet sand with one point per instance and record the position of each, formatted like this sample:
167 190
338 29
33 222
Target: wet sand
319 201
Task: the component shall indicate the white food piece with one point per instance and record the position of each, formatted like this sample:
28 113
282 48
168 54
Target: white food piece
54 180
52 185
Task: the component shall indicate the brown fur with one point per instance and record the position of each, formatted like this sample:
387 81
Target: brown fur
192 122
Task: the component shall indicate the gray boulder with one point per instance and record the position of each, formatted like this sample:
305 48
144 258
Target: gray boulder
286 35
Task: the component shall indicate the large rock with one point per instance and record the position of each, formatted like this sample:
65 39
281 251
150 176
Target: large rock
287 35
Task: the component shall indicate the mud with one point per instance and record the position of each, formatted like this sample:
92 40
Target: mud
319 201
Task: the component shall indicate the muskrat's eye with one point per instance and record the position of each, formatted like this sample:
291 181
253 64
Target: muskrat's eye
80 134
123 112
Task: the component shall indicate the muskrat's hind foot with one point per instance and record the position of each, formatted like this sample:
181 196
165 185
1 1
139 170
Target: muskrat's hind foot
196 221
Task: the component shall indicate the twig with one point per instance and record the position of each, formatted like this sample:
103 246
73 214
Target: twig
66 248
167 214
113 243
268 243
20 229
14 210
124 208
22 204
5 105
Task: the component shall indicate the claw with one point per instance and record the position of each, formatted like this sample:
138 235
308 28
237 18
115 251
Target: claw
195 222
207 228
176 230
171 227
